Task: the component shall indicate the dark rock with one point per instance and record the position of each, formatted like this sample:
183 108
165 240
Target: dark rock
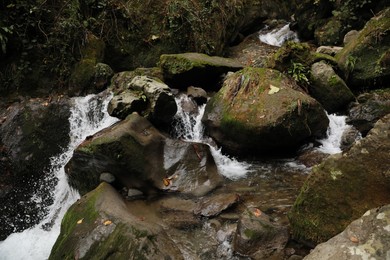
31 132
350 135
366 237
369 109
312 157
107 177
195 69
343 187
191 168
258 237
198 94
214 205
328 88
257 111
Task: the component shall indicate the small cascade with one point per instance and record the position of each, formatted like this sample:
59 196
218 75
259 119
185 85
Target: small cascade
336 128
88 116
188 126
278 36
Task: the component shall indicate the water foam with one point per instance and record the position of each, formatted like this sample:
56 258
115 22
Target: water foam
336 128
278 36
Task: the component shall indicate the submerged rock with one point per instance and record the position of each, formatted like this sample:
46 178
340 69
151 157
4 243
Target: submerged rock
328 88
258 111
343 187
214 205
365 238
258 237
195 69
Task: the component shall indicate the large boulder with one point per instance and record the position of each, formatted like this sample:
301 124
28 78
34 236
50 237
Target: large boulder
328 88
139 157
195 69
343 187
365 238
257 110
31 132
368 109
100 225
365 60
146 96
130 150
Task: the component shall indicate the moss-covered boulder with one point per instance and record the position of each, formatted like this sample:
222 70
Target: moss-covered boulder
148 96
328 88
368 109
100 226
257 110
343 187
366 59
140 157
328 21
195 69
130 150
295 59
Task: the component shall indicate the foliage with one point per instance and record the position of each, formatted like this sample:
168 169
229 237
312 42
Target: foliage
298 72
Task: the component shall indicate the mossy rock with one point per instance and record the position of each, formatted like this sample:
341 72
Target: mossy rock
331 33
343 187
296 52
364 60
100 226
258 111
195 69
131 150
328 88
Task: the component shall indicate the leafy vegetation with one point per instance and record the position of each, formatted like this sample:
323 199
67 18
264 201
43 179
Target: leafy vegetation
299 72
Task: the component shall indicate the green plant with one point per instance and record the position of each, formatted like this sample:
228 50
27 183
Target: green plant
4 32
298 72
350 63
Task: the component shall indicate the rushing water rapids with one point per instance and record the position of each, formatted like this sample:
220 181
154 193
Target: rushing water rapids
88 115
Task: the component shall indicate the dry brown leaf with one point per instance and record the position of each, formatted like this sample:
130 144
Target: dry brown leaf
107 222
166 181
354 239
257 212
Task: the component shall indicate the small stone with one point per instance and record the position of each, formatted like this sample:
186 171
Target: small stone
107 177
134 193
354 239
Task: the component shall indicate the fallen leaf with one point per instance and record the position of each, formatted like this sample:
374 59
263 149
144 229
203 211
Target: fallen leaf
80 221
166 181
273 90
257 212
354 239
107 222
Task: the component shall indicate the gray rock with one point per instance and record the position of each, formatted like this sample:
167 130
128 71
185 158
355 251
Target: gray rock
328 88
258 237
350 36
350 135
365 238
214 205
134 193
329 50
107 177
198 94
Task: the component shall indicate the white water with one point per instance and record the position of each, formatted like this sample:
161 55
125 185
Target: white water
336 128
88 115
278 36
189 127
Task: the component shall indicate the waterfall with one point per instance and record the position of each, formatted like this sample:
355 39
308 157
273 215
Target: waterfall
88 116
336 128
278 36
188 126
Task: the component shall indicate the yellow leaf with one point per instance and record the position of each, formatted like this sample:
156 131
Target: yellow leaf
166 181
80 221
257 212
107 222
273 90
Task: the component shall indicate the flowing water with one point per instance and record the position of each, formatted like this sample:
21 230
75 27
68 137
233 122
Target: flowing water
88 115
278 36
